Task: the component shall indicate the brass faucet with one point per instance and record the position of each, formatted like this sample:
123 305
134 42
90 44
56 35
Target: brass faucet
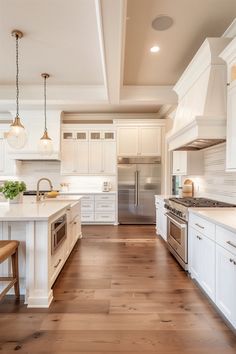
38 195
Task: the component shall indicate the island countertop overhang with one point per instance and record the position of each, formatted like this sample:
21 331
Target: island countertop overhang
30 210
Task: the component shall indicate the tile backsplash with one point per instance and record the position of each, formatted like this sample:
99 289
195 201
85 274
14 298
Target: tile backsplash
216 183
31 171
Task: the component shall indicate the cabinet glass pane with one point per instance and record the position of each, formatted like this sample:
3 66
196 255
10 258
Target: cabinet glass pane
67 135
95 135
81 136
109 135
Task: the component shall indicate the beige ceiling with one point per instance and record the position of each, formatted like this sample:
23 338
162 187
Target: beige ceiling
97 51
60 37
194 20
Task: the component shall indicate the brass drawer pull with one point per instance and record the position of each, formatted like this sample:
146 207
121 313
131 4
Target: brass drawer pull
231 244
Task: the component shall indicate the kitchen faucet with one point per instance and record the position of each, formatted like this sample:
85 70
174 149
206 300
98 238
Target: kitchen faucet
38 195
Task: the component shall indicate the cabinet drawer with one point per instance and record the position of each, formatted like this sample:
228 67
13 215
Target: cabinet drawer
207 228
87 205
105 206
226 238
102 197
57 261
87 217
105 217
88 197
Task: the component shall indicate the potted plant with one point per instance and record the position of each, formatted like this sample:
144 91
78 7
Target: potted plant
13 191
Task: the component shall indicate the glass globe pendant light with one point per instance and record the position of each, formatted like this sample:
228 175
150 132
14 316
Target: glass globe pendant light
45 143
16 137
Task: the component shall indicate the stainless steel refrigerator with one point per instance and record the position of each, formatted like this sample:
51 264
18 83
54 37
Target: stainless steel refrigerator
139 179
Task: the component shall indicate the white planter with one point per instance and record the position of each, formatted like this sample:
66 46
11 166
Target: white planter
17 199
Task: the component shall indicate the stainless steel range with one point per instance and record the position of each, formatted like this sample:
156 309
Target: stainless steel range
177 223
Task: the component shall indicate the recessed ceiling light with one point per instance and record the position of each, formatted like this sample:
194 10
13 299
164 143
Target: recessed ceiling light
162 23
155 49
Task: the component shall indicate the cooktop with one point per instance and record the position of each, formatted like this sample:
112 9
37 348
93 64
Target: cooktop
201 203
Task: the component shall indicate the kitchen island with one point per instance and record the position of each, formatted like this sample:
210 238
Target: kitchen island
47 231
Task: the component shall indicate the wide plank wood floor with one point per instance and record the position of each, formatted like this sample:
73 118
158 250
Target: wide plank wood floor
119 292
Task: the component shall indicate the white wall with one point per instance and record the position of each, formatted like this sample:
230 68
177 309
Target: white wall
216 183
31 171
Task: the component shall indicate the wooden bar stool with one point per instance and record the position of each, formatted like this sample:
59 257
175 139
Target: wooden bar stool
10 249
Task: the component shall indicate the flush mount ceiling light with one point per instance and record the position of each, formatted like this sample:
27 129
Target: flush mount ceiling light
162 23
154 49
45 143
16 137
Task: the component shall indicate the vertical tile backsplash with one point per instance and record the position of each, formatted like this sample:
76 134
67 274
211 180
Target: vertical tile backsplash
216 183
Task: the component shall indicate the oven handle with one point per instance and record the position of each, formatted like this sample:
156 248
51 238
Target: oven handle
181 225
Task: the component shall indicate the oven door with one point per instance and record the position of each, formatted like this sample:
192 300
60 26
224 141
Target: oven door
177 232
59 232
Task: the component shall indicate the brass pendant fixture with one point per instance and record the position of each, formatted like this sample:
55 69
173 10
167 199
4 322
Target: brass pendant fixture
45 143
16 137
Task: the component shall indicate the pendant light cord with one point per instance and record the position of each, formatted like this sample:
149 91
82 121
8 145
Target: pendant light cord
17 76
45 108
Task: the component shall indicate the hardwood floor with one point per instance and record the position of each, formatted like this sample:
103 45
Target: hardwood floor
120 292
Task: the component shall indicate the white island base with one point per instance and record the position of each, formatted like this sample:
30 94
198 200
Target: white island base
38 267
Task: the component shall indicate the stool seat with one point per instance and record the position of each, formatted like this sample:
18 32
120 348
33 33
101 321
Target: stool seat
10 249
7 248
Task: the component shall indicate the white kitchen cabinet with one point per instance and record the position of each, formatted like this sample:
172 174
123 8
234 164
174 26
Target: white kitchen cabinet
88 152
96 157
98 208
226 283
127 141
161 218
109 157
102 153
74 153
229 55
187 163
202 261
150 141
139 141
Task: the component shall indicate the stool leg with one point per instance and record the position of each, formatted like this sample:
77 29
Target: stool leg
15 273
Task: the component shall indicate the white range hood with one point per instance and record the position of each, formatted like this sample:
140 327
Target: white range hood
200 119
34 125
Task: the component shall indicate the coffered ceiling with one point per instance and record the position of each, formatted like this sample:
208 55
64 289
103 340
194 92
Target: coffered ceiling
97 51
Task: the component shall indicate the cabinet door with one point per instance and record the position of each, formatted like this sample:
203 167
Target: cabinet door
81 157
207 276
95 157
2 156
149 141
202 261
195 254
231 130
162 223
226 283
179 163
109 157
127 141
68 156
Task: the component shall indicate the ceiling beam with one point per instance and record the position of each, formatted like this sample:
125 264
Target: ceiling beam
149 94
111 19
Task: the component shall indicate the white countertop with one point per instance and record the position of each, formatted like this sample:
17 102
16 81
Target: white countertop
225 217
164 196
81 192
31 210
